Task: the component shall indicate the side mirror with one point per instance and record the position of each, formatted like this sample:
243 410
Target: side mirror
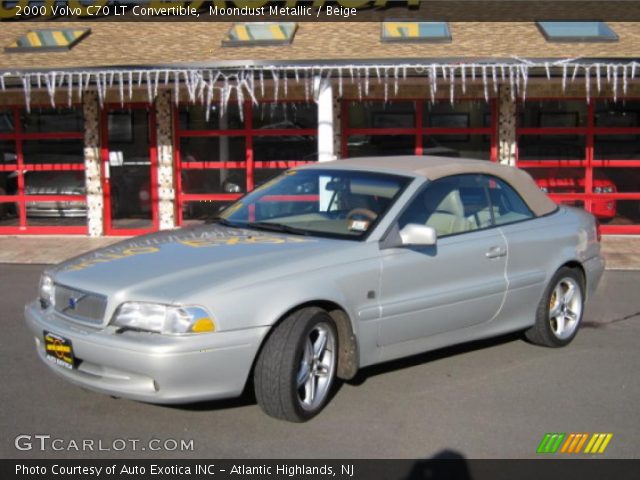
416 234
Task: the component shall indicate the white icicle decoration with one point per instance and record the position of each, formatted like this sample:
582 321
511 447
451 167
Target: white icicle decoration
296 75
547 70
176 87
286 84
69 89
502 73
575 73
473 72
615 83
463 77
494 78
452 85
598 77
525 81
512 86
130 82
262 83
378 75
100 87
386 85
156 80
564 77
434 82
51 89
351 73
431 87
587 83
111 74
359 82
240 97
608 73
366 81
166 77
306 85
404 72
223 92
485 84
625 80
147 79
633 70
2 85
276 84
26 88
250 89
38 81
121 88
208 101
395 81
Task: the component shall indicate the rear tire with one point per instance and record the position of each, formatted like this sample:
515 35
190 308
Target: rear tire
560 310
296 368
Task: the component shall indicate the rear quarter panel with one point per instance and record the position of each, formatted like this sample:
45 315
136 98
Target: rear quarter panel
536 250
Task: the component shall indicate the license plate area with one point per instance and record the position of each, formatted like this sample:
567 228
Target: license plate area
59 350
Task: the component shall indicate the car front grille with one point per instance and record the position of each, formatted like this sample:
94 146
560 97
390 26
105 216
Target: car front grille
80 305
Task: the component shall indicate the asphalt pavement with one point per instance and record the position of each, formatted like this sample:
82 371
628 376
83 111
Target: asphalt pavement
489 399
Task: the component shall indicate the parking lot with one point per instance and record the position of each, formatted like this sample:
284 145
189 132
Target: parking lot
490 399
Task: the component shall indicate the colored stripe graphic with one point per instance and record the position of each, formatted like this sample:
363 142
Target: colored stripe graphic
598 443
551 442
572 443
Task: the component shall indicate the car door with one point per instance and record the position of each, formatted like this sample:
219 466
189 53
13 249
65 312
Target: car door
457 283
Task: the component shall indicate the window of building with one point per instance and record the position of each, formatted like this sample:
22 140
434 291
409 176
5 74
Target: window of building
42 181
577 31
48 39
585 155
260 33
221 158
403 31
376 128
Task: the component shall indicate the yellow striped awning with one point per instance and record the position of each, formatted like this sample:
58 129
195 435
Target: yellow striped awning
403 31
46 40
260 33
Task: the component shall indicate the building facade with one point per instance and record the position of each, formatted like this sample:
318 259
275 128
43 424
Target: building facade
127 133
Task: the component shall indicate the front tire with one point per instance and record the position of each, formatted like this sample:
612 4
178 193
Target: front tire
560 311
296 368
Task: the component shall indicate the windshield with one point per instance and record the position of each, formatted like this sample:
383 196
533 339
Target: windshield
333 203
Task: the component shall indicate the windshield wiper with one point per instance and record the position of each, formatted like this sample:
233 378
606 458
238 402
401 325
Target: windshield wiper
276 227
221 221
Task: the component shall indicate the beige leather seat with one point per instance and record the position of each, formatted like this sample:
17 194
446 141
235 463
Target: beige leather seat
445 210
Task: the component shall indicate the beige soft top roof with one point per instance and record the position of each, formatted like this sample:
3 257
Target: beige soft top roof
433 168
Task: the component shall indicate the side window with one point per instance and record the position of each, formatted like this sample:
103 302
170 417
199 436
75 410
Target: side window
451 205
506 204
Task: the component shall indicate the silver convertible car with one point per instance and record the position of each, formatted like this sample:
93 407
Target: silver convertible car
324 270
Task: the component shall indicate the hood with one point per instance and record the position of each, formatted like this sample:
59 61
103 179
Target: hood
169 264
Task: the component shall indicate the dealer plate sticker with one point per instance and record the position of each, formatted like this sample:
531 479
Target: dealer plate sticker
58 350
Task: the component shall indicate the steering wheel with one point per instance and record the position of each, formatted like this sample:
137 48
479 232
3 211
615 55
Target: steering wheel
370 214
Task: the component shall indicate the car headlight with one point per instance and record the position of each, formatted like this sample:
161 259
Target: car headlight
46 289
167 319
597 190
544 189
607 189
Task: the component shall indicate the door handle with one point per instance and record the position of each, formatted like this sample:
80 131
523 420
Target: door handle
496 252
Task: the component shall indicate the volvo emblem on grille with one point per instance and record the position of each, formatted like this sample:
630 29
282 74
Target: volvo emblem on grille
72 302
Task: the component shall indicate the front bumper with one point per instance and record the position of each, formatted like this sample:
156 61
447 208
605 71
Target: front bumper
151 367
